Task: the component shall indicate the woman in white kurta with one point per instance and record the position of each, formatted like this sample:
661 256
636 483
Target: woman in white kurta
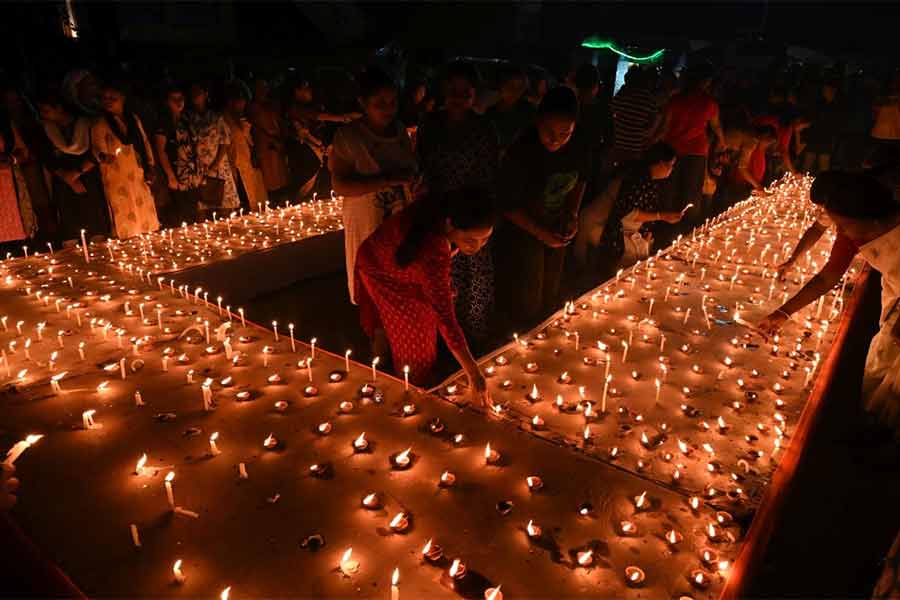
867 219
120 145
372 164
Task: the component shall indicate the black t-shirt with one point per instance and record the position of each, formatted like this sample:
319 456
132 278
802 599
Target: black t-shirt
537 181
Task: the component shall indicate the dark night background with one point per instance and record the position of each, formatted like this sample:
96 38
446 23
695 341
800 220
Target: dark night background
275 34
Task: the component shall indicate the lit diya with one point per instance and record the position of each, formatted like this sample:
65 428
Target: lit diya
402 460
436 425
533 530
271 442
432 552
532 367
371 501
367 390
491 456
346 406
628 528
634 576
564 378
324 428
361 444
585 558
447 479
537 423
409 410
673 537
534 483
641 502
319 470
336 376
699 579
534 395
400 523
310 391
457 569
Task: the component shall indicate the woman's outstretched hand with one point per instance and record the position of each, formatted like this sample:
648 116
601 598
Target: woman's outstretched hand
9 487
478 387
769 326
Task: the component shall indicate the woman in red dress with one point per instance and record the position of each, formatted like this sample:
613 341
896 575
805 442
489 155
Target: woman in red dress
403 280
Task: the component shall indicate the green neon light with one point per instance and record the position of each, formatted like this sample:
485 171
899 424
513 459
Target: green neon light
598 44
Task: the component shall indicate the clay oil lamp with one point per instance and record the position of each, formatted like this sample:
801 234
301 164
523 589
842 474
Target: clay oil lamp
402 460
432 552
634 576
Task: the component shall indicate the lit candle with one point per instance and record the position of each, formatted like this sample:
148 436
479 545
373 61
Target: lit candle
84 247
275 330
491 456
347 354
213 448
176 571
406 377
87 418
375 362
171 497
395 589
13 453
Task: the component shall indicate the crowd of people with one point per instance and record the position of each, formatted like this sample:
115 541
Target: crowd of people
495 204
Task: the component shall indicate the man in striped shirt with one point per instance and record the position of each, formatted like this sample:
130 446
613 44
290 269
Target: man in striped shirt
635 113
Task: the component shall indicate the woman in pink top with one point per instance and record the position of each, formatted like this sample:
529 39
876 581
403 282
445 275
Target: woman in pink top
688 116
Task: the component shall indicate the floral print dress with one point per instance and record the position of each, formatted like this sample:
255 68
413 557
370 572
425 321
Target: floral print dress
456 157
209 131
130 201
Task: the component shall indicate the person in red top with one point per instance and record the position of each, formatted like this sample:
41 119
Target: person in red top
750 172
404 286
688 117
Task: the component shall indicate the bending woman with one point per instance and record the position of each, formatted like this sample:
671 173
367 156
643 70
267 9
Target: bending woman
403 280
867 219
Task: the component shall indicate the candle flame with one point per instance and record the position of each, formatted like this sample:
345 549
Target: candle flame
534 395
398 518
493 595
403 455
635 575
711 530
270 439
170 476
141 462
641 500
214 436
395 578
487 450
225 593
176 568
347 553
361 440
530 528
454 568
585 558
427 547
672 536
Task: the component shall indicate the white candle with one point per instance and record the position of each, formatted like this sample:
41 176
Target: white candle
406 377
375 362
347 354
84 247
135 536
275 329
605 389
241 312
122 367
16 451
395 589
213 448
169 494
